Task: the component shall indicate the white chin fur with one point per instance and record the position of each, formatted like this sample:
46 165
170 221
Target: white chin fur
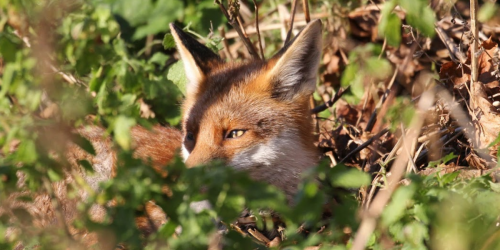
280 161
284 154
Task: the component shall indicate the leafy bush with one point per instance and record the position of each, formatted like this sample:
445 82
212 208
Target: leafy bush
64 64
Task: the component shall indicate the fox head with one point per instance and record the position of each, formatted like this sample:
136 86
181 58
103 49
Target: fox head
253 115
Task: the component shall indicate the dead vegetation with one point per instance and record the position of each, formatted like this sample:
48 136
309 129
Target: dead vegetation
456 110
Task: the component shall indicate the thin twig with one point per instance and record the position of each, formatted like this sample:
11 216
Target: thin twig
233 20
222 32
475 44
299 22
289 34
372 120
455 54
364 145
258 31
330 103
305 6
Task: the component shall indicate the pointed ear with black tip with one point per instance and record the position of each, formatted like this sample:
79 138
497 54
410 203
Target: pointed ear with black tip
198 60
296 68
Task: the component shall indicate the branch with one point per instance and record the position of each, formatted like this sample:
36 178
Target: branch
474 50
232 17
258 31
222 32
364 145
305 6
330 103
289 34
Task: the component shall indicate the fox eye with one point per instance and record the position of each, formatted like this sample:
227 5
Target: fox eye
235 133
189 136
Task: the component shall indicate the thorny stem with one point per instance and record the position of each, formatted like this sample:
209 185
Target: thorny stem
233 20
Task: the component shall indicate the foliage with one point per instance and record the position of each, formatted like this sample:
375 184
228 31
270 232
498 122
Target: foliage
111 63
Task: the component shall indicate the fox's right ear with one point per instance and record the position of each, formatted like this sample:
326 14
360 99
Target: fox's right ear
197 58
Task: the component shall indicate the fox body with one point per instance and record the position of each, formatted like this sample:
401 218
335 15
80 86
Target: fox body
252 115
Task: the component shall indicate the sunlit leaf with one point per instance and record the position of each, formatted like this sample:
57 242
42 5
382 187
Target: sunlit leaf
122 125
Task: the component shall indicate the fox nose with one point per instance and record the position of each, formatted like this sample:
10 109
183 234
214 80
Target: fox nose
192 162
197 159
200 157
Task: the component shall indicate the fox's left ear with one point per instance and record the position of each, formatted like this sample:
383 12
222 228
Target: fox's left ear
198 60
295 71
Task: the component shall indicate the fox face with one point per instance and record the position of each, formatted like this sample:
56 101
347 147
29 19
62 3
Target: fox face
252 115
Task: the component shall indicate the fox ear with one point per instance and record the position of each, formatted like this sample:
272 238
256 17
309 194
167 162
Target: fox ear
197 58
296 68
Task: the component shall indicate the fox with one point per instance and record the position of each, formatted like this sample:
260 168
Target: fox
252 115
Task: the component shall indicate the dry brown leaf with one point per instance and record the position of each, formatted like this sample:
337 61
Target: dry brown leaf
452 74
486 63
363 22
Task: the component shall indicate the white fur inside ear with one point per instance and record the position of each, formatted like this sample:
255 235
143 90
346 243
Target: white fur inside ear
296 70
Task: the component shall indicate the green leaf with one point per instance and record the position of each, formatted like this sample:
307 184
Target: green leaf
26 152
391 29
122 126
416 233
342 176
397 207
155 25
168 41
86 165
53 175
487 11
378 68
177 75
448 178
495 142
420 16
159 59
349 74
494 186
83 143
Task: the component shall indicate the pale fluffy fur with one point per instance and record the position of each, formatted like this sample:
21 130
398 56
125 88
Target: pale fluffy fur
280 161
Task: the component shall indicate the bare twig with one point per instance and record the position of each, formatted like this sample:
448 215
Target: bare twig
364 145
475 42
289 34
258 31
305 6
455 54
232 18
222 32
330 103
299 22
259 236
371 122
